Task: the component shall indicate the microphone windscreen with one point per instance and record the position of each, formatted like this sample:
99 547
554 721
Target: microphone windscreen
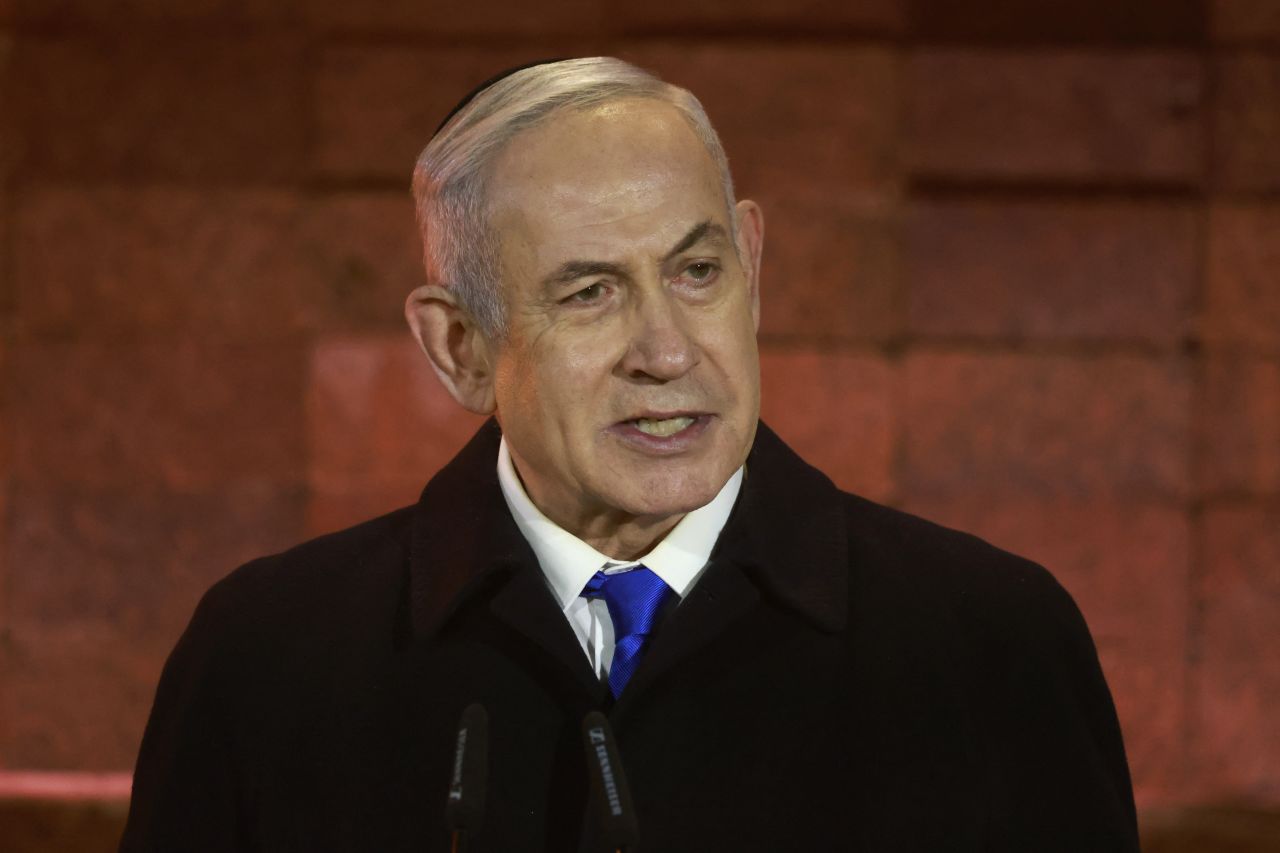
470 770
610 794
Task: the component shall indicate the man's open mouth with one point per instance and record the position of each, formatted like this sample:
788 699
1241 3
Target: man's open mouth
663 427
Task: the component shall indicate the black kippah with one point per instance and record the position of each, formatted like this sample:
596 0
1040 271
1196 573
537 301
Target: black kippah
470 96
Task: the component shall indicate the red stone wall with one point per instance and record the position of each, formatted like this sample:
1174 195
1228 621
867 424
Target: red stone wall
1022 276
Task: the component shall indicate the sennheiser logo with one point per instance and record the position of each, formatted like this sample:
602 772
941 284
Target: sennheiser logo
455 785
597 738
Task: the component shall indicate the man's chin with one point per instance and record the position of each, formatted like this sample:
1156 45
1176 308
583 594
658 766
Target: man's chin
658 496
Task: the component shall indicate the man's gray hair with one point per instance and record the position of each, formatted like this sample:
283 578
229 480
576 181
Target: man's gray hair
449 182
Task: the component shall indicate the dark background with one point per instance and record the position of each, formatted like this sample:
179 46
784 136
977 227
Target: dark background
1022 276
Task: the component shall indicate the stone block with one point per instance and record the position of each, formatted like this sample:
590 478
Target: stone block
187 417
830 269
379 423
1246 123
136 560
97 263
1241 307
7 216
102 586
768 17
505 18
1051 270
160 105
1071 116
8 130
1245 20
328 511
4 554
6 466
113 13
1083 21
1127 567
75 698
61 826
819 121
1238 426
364 256
376 108
5 406
1236 740
1027 426
8 125
1220 828
837 411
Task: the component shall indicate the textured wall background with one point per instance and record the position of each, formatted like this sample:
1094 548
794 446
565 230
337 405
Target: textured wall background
1022 276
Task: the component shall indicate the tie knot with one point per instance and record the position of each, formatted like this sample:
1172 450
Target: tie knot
633 597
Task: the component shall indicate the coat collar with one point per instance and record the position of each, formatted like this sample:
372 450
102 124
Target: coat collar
787 532
464 538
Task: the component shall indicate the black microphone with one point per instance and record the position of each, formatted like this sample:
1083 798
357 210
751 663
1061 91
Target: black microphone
465 806
609 791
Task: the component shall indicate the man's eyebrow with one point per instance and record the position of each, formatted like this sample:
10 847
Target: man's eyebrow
696 235
574 270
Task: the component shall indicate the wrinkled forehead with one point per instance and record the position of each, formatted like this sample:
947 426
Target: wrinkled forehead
604 163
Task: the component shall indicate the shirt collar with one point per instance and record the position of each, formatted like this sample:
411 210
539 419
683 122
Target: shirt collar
568 562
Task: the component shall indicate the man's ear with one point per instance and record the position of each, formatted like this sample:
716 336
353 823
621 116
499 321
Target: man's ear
750 240
459 351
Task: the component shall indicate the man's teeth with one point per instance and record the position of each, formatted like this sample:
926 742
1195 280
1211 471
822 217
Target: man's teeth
662 428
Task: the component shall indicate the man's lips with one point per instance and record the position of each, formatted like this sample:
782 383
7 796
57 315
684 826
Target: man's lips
663 414
662 431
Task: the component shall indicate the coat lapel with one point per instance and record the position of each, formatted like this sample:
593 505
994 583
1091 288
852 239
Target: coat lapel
526 605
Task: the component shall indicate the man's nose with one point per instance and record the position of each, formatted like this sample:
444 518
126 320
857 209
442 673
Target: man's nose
661 347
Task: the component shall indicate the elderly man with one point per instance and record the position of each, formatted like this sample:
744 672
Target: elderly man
786 666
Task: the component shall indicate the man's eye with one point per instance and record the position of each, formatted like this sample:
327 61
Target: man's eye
590 293
701 272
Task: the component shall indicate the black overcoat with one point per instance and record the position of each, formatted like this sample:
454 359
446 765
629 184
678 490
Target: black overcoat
844 676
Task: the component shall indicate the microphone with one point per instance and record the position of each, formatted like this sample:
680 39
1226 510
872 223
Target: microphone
609 791
465 805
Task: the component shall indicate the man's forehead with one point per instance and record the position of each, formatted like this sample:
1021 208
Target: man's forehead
600 166
607 143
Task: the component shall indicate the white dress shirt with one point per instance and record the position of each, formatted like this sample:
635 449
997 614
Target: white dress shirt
568 563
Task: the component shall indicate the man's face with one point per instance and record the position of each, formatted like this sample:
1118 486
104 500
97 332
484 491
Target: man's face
628 383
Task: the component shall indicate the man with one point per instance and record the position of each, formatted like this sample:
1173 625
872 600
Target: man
786 667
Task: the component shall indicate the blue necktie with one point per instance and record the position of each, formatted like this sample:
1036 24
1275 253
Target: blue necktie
633 598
